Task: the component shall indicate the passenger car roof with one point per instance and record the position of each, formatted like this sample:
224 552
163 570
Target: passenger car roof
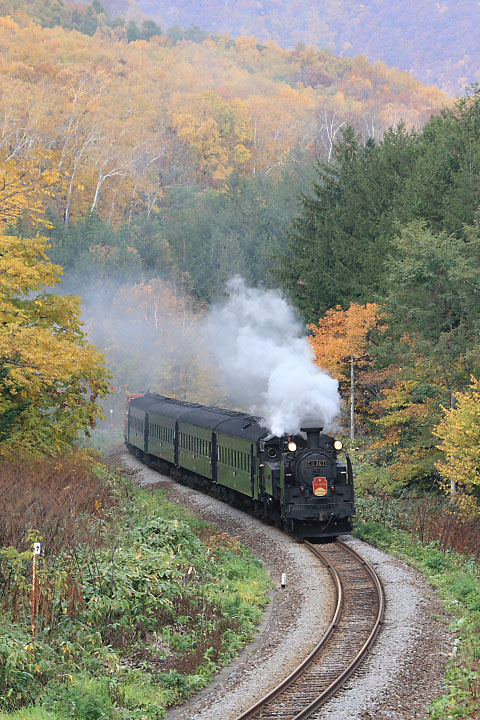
229 422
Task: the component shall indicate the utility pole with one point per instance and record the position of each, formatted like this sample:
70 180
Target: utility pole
453 482
352 399
37 549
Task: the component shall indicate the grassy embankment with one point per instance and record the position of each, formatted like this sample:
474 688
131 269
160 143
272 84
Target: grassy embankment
445 547
138 603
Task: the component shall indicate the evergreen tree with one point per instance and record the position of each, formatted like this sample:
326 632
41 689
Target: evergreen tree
216 234
444 183
150 29
434 287
90 22
133 32
343 234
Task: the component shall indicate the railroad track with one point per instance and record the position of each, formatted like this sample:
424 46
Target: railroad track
355 624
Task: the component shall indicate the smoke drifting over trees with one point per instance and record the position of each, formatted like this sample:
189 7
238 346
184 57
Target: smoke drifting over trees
260 346
249 353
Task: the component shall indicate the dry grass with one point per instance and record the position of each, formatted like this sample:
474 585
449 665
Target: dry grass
53 498
433 521
57 501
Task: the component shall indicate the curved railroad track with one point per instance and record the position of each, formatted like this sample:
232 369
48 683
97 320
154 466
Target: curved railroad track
355 624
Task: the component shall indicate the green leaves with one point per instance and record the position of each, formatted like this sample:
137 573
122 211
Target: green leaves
143 611
342 236
131 583
398 223
434 282
22 664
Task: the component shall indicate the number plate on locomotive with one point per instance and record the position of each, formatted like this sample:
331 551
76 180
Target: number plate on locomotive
316 463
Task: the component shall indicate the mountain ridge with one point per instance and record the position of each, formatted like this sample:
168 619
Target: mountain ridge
436 41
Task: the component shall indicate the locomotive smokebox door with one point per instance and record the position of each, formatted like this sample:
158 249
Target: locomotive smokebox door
320 486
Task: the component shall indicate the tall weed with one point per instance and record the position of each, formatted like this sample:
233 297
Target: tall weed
53 497
134 585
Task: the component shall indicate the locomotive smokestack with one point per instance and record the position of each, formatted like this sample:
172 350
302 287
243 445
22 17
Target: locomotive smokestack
313 436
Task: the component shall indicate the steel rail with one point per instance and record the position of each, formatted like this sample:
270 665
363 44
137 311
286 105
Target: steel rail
250 713
343 677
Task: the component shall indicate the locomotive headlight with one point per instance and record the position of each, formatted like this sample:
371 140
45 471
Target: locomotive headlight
338 445
292 446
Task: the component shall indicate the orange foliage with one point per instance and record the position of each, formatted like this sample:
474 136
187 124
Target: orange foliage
342 334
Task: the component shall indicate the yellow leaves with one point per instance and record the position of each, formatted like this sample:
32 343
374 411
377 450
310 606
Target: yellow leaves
98 108
242 153
24 185
25 267
459 432
7 24
154 301
246 44
49 375
213 128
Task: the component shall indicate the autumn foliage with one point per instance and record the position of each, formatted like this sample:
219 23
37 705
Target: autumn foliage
114 125
50 377
58 500
340 342
60 503
459 434
341 334
422 37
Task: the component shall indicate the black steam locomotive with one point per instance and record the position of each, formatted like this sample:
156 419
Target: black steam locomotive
298 482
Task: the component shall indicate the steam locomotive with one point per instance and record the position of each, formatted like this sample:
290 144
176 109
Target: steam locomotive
294 480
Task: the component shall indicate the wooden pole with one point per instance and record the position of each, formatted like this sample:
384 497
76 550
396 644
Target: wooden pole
352 401
453 484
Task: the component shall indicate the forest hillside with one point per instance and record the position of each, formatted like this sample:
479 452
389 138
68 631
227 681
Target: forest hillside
436 41
145 164
119 124
172 158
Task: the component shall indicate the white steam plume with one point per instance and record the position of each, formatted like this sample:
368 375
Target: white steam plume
267 361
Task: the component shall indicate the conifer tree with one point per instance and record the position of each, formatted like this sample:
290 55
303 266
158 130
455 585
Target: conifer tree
339 242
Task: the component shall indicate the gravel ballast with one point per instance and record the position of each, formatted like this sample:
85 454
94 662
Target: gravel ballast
404 671
398 679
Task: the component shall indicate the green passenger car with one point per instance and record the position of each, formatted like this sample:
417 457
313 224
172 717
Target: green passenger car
195 449
235 464
161 436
